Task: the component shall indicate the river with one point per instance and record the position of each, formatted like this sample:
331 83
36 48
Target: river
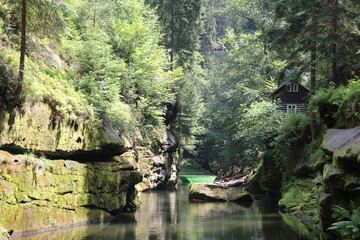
169 215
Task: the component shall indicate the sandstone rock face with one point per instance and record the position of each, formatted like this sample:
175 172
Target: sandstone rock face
159 170
215 192
344 146
37 129
342 174
37 193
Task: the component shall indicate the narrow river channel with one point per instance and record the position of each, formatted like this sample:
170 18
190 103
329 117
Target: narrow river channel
166 215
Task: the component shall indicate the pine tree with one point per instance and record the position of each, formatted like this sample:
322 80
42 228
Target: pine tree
181 23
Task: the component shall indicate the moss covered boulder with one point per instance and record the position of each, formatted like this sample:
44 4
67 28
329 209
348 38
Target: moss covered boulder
344 146
215 192
37 193
300 198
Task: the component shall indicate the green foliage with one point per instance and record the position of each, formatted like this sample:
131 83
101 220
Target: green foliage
191 106
30 158
189 167
181 24
328 25
259 124
339 106
292 135
107 65
348 222
239 117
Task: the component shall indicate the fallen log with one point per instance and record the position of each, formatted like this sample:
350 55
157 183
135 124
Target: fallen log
231 182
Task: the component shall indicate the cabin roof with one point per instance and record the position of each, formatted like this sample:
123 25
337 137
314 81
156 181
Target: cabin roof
276 91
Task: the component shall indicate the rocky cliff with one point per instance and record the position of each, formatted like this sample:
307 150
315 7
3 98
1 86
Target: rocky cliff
160 167
56 173
37 193
37 128
330 177
341 174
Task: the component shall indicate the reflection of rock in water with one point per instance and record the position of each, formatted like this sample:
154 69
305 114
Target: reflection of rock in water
158 209
213 209
80 232
124 218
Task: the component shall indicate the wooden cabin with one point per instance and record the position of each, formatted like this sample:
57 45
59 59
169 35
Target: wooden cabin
291 97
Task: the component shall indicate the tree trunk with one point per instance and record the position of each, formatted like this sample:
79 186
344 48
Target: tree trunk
172 40
94 18
20 83
335 72
266 57
313 65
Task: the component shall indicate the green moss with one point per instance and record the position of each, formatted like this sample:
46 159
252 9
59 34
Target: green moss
65 193
300 198
37 129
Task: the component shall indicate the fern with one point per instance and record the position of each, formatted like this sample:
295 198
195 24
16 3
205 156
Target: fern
348 221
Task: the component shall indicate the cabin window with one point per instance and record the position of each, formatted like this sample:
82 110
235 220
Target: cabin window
293 88
291 108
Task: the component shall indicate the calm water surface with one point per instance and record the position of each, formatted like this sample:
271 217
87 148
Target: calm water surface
170 216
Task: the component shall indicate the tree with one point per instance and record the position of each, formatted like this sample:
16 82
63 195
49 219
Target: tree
19 87
302 33
44 12
181 24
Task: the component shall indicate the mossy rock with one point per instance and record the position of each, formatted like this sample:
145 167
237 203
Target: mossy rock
36 129
334 179
327 202
300 198
214 192
67 193
344 146
4 234
319 159
352 181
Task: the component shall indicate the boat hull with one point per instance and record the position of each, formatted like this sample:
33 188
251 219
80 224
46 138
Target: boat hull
197 178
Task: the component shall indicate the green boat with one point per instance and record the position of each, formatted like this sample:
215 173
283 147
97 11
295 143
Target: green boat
197 178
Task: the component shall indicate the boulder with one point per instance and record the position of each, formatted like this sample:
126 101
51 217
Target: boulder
344 146
333 179
216 192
